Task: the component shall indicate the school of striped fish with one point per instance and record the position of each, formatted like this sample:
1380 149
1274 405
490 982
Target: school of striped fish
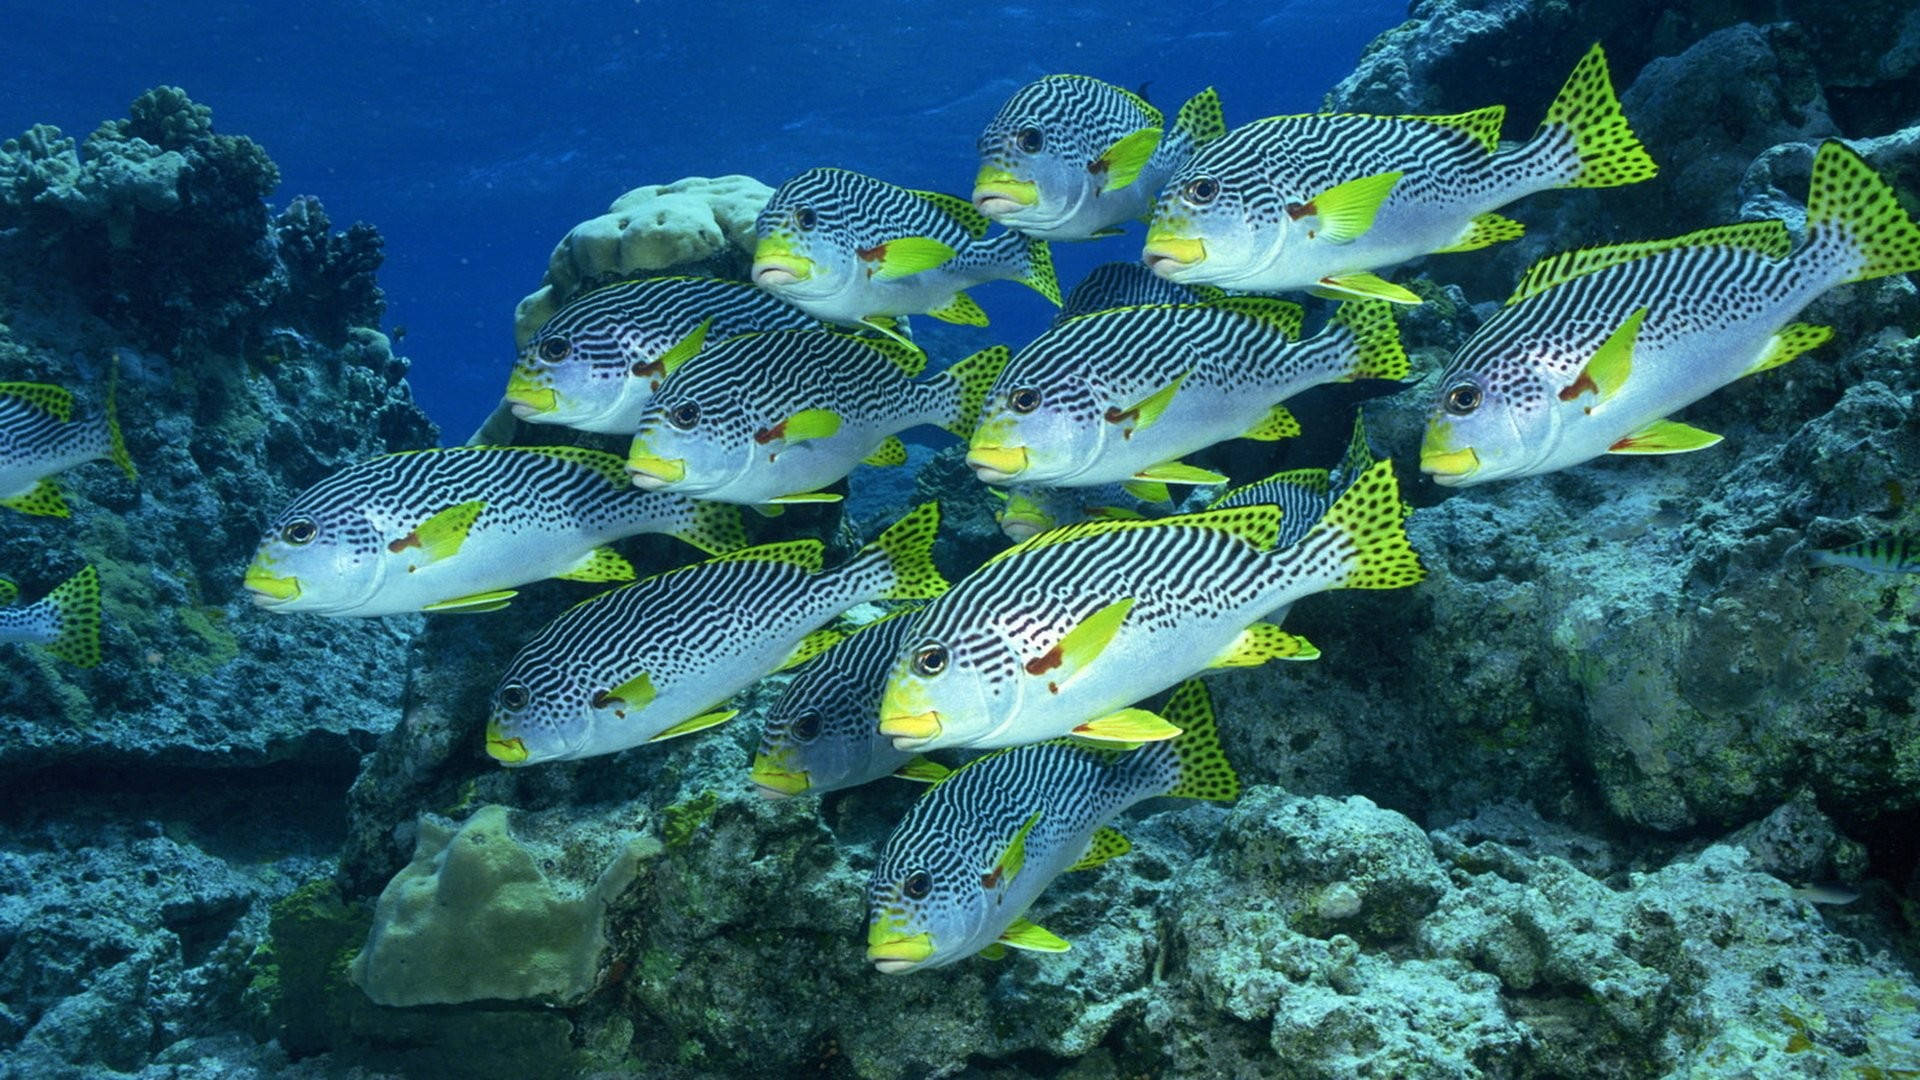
1051 654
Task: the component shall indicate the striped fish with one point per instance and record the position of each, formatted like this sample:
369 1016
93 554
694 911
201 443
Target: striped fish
1318 202
659 658
1061 634
849 249
1898 553
39 438
66 621
769 418
458 528
1120 396
822 734
1597 347
960 870
594 364
1069 157
1128 284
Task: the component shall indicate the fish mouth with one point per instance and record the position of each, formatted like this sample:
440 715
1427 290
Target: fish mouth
893 952
502 749
650 472
997 464
527 397
998 193
916 728
1448 467
775 265
1018 529
268 589
1167 255
775 782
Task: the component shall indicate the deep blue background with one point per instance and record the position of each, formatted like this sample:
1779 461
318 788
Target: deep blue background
476 134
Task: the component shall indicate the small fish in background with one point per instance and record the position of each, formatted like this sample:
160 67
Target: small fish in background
1597 347
594 364
823 733
1070 157
66 621
768 419
959 872
1062 634
1897 553
39 438
1120 396
457 529
850 249
1826 895
1129 284
659 658
1026 510
1320 201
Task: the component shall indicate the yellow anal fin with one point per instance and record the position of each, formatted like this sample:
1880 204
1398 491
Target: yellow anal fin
811 646
600 564
472 605
1276 425
1363 286
1262 642
44 500
1107 844
1485 230
1174 472
906 255
891 451
1791 340
698 723
1025 935
1665 437
995 951
960 308
805 497
1127 726
923 770
1123 160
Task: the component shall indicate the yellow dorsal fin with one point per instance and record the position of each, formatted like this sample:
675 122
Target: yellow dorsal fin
808 555
1283 316
1256 525
53 400
910 359
959 210
1768 238
1481 125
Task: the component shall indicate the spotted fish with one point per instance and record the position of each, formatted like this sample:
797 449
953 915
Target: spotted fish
1069 157
659 658
458 528
1061 634
39 438
1120 396
1320 201
594 364
823 735
850 249
960 870
1597 347
66 621
1896 553
1128 284
770 418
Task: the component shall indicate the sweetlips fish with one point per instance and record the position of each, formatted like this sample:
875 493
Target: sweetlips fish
66 621
1597 347
1128 284
1069 157
1027 509
960 870
769 418
850 249
822 734
39 438
593 365
1895 553
1061 634
659 658
456 529
1319 202
1119 396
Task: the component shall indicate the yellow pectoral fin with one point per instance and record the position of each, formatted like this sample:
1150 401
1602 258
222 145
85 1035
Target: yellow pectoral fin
698 723
1025 935
1144 412
470 605
635 693
1363 286
907 255
1346 211
1665 437
1611 365
1014 856
1124 159
808 424
1082 644
440 536
684 349
1128 726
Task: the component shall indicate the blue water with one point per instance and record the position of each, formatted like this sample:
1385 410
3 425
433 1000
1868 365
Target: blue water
474 135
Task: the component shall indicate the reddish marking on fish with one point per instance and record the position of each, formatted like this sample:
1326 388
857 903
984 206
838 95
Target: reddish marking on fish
1045 662
1296 211
650 369
1116 416
412 539
603 699
768 434
1579 386
1622 444
990 881
874 255
1098 166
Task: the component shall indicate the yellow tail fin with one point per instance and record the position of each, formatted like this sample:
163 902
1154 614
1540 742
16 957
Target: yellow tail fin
1610 153
1854 216
1373 519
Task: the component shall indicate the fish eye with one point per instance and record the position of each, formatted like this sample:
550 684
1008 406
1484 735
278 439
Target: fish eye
917 886
299 532
805 218
806 726
1463 398
1029 140
930 660
684 415
514 697
555 349
1201 190
1024 400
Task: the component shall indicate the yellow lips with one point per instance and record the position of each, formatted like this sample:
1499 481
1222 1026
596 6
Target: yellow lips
266 586
524 393
892 951
774 259
503 750
1003 462
1437 457
911 725
775 776
996 184
653 472
1165 250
